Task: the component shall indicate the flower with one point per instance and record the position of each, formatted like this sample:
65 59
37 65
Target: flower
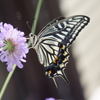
50 98
13 46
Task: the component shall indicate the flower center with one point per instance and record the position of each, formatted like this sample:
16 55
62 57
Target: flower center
9 45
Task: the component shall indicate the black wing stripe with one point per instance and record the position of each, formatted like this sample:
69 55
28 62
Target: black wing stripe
46 59
65 33
48 56
61 36
69 39
51 43
75 30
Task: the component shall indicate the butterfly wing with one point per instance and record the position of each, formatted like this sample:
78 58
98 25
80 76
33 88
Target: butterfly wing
55 40
65 30
54 56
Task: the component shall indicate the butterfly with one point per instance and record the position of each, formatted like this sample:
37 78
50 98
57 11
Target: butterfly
53 41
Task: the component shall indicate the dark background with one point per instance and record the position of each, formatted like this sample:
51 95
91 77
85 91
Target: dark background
30 83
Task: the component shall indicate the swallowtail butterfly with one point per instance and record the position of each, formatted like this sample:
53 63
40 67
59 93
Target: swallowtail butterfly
53 41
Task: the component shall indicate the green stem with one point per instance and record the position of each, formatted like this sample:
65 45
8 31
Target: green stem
35 19
36 16
33 31
6 82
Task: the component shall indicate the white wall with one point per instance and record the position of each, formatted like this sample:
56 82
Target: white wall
86 48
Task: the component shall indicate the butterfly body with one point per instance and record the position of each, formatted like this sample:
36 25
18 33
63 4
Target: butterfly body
53 41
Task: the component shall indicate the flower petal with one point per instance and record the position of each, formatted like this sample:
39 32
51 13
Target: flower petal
19 46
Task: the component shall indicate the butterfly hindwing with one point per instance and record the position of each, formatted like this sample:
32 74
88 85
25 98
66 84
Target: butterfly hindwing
54 56
49 48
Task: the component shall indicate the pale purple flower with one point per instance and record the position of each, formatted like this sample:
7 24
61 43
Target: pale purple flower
50 98
13 46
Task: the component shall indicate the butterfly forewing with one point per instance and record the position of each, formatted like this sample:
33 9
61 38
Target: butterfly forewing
54 40
65 30
50 24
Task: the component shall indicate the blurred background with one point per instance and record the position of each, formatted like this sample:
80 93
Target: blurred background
83 69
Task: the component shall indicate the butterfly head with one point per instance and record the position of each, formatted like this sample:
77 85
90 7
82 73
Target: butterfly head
33 39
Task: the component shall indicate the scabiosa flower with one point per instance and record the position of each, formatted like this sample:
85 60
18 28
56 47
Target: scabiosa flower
50 98
13 46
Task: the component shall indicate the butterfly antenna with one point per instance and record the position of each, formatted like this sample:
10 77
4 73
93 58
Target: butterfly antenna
55 82
28 25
